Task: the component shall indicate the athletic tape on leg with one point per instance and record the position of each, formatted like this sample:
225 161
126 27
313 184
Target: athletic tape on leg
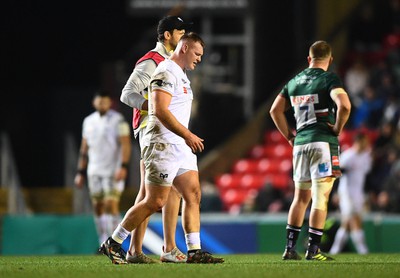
320 193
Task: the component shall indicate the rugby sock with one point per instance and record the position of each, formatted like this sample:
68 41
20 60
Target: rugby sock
120 234
358 239
292 234
192 242
114 221
101 227
314 239
341 238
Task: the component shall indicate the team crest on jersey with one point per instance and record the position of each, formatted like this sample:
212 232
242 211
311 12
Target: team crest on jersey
305 99
184 90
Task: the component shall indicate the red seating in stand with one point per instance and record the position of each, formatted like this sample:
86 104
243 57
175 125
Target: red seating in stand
268 162
283 150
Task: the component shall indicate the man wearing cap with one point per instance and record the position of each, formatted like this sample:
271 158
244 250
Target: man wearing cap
170 29
168 153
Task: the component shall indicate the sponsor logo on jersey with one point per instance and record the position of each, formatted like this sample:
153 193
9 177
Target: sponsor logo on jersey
305 99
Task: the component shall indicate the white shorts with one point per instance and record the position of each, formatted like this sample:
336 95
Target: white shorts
350 203
163 162
314 161
105 187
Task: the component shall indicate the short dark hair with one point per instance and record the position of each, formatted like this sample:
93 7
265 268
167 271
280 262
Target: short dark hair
102 93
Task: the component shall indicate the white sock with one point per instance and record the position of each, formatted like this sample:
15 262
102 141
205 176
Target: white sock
192 241
341 238
112 223
358 239
101 227
120 234
115 220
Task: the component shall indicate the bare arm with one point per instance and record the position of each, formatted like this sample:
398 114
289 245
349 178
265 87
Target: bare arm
277 113
82 163
161 101
125 142
343 104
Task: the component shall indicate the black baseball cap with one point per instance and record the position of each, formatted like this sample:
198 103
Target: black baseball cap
169 23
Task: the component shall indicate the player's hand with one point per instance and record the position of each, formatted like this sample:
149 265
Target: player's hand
145 105
291 141
335 130
79 180
195 143
121 174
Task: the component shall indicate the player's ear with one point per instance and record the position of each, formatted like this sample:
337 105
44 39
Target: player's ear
167 35
185 47
309 59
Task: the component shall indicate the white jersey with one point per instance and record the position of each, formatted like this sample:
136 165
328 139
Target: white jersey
351 184
170 78
102 135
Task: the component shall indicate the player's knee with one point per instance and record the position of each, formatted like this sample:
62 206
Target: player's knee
320 193
155 203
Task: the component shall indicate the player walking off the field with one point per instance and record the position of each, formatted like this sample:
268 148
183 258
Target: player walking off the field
135 94
315 96
355 163
168 153
104 158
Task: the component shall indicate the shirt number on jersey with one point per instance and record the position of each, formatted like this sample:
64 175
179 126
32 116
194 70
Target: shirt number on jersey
305 115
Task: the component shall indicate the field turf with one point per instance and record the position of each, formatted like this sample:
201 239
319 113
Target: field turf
244 265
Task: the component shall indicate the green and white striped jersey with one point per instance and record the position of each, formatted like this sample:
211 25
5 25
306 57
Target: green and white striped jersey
309 93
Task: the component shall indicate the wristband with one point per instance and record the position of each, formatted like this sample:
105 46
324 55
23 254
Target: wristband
82 172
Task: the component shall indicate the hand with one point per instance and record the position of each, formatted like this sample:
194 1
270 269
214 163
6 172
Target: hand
121 174
195 143
334 129
291 141
79 180
145 105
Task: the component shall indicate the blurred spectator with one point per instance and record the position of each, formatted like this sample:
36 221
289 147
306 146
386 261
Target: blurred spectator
391 111
386 86
389 198
368 114
355 80
210 199
383 157
377 72
271 199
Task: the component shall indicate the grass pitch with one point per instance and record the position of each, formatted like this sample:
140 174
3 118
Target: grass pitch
246 265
